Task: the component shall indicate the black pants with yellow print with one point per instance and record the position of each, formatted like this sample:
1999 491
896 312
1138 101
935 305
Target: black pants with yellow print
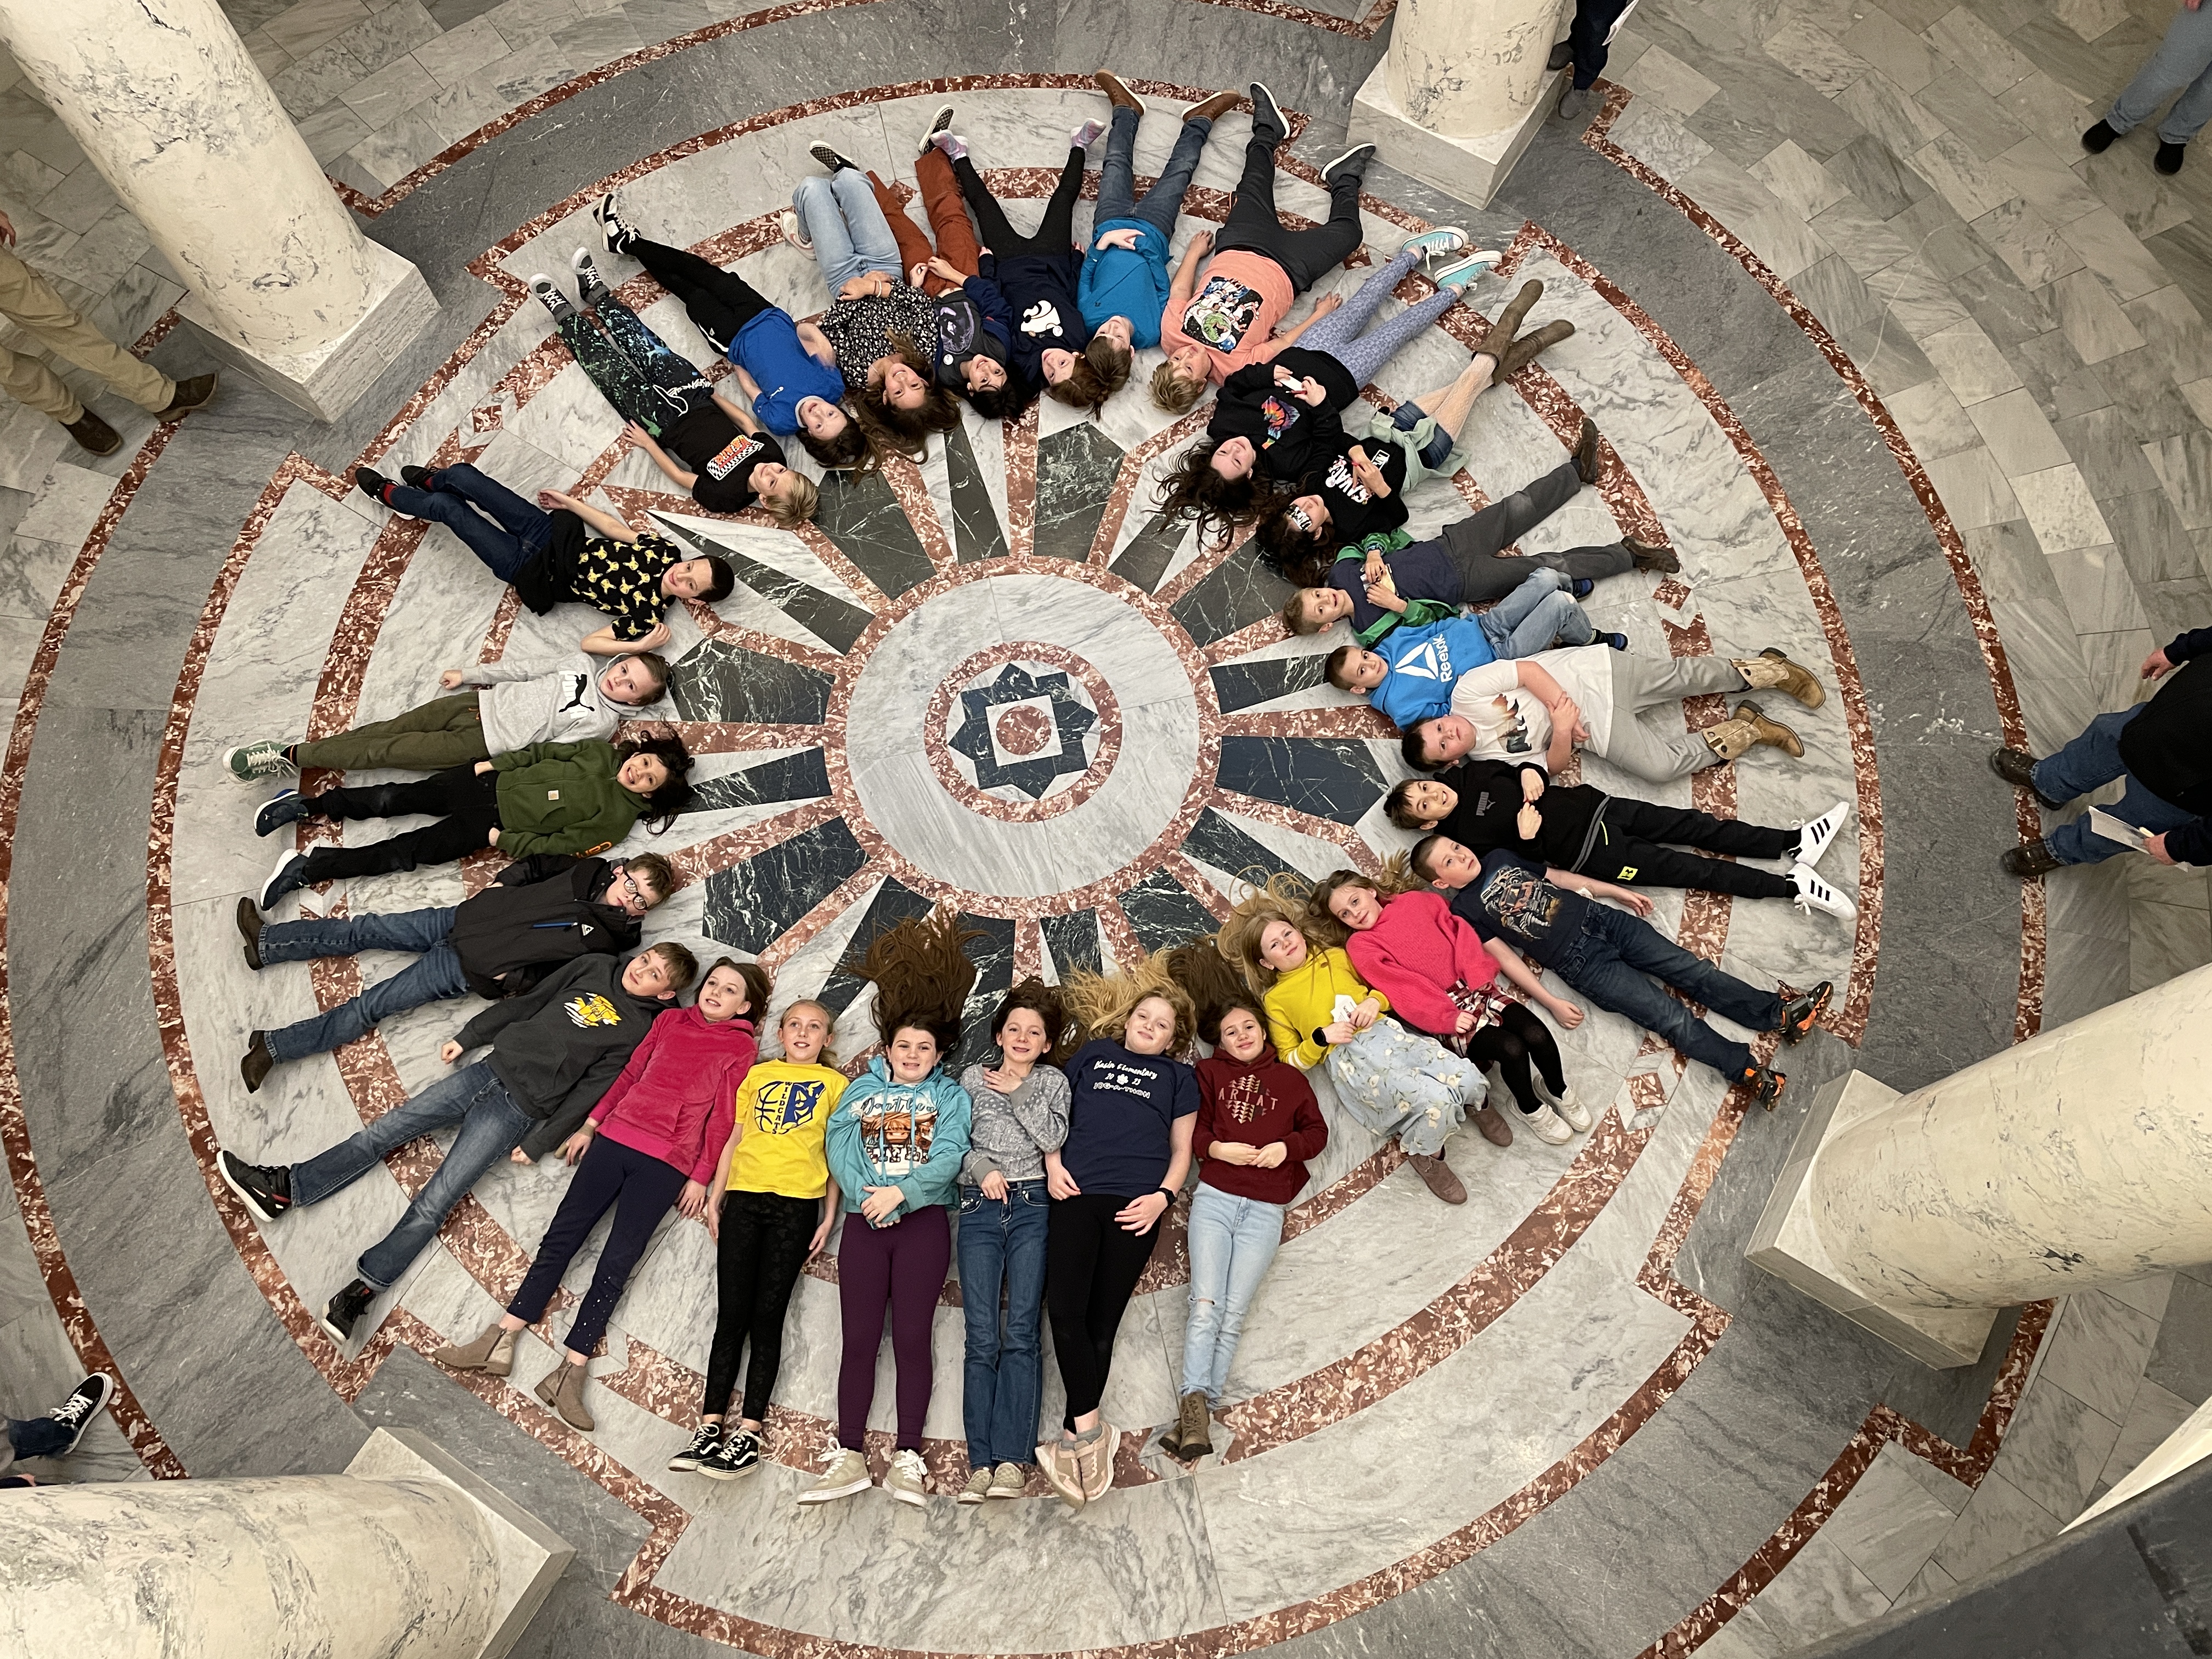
1626 848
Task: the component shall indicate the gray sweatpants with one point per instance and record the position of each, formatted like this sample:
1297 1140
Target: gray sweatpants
1661 748
1473 542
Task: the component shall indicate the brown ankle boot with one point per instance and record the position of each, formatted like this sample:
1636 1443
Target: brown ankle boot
93 434
493 1352
1526 349
563 1388
1118 94
1194 1429
1438 1176
1771 670
1646 556
1586 456
1213 109
1509 320
195 393
1773 733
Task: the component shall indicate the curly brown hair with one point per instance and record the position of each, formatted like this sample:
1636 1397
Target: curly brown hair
922 976
1193 489
905 431
1215 987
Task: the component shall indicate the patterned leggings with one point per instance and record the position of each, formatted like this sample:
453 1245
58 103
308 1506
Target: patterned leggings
643 377
1364 355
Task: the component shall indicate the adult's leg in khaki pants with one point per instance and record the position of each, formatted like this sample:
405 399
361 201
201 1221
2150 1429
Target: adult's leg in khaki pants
442 733
30 301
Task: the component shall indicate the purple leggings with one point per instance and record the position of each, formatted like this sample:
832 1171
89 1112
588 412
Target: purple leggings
903 1265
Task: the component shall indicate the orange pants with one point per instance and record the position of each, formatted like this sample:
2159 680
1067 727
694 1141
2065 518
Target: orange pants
948 223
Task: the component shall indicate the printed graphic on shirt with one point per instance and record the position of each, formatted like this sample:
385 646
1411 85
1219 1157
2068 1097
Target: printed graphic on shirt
1343 480
959 329
782 1107
896 1130
591 1009
575 687
1243 1099
1523 904
739 450
1041 319
1431 660
1123 1080
1506 729
1222 313
1280 418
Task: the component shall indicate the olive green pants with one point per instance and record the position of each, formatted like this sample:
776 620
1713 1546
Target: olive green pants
442 733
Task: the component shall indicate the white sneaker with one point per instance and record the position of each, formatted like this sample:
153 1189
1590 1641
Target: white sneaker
1813 894
1548 1125
1565 1104
1815 837
847 1474
788 221
907 1479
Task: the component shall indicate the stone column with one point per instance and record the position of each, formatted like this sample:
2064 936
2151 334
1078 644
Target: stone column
406 1556
2080 1159
1463 90
169 107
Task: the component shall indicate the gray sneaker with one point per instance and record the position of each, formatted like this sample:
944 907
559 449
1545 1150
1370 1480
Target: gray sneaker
847 1474
978 1487
907 1479
255 762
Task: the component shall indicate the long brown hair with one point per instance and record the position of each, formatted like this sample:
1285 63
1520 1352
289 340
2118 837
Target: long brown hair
1193 489
905 431
922 976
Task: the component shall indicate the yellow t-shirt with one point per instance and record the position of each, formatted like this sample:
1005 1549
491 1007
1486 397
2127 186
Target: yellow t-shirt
782 1110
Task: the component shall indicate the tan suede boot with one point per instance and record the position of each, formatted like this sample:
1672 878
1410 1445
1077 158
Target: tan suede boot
1509 320
1731 740
492 1353
563 1388
1526 349
1773 733
1770 671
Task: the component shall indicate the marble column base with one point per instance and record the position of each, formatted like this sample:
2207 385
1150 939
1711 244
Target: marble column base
1787 1244
1472 169
326 381
528 1555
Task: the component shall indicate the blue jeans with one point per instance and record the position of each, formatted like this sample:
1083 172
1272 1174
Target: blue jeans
1117 173
2182 60
491 1125
1232 1240
1542 609
2090 762
1002 1244
498 525
1609 964
36 1436
841 216
433 978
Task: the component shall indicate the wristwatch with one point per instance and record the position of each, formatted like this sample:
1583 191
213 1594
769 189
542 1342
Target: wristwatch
1167 1195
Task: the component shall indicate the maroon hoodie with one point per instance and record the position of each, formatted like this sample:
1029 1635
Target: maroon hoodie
1264 1101
677 1098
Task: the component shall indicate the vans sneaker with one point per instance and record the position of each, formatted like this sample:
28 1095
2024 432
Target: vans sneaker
705 1438
735 1455
85 1402
253 761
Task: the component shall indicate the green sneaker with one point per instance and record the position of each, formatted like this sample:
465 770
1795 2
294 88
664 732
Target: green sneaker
259 761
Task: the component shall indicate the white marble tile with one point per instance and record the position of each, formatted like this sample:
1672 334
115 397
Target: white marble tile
2154 1413
2055 1448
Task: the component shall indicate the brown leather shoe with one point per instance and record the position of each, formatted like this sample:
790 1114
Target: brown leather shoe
563 1388
93 434
2032 860
1117 93
1526 349
1213 109
1437 1176
1646 557
2017 767
1495 1129
249 928
1586 461
1773 733
1772 669
195 393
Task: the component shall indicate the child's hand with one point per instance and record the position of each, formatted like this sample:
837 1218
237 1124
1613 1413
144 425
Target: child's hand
1337 1034
1528 821
995 1080
1374 572
1326 303
693 1199
551 499
881 1204
1632 900
638 435
1060 1184
452 679
994 1187
712 1215
449 1051
1271 1156
1124 238
577 1144
1312 393
1366 1013
1201 244
821 1237
1384 599
913 277
1234 1151
1139 1214
944 268
1532 784
1566 1012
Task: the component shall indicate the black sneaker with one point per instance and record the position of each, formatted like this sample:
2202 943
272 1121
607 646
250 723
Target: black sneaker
1267 123
290 875
1617 642
1581 586
737 1455
591 288
257 1063
266 1189
249 929
418 478
1765 1083
708 1438
346 1308
828 157
1800 1015
1353 164
2169 157
288 808
85 1402
371 484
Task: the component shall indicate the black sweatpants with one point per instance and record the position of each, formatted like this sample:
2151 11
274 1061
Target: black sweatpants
464 801
1625 850
1091 1266
720 302
1474 543
1056 232
763 1242
1304 255
1512 1044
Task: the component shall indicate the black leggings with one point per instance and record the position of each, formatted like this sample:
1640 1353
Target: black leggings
720 301
1091 1266
464 801
1516 1040
1624 850
1304 255
1056 232
764 1238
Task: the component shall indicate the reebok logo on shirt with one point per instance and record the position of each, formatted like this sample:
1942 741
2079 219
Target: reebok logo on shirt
591 1009
1429 660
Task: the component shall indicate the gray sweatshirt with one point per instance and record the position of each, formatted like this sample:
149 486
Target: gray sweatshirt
522 706
1012 1134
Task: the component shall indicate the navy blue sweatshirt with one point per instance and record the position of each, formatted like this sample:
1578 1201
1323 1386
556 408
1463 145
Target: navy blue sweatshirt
1121 1110
1041 300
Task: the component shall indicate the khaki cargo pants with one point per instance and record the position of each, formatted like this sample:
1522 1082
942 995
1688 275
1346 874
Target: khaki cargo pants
30 300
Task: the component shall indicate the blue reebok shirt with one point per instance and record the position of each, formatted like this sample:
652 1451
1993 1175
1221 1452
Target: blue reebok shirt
1425 663
767 349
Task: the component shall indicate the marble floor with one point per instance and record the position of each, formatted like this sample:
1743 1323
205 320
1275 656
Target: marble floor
1880 466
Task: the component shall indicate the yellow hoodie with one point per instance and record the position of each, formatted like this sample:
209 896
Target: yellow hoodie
1302 1001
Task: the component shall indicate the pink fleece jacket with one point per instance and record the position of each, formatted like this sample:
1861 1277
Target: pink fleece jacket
676 1099
1416 954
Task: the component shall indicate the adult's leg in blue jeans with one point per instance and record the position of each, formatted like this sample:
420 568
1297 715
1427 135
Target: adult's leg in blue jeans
342 936
494 1126
1117 170
1021 1351
2184 59
2076 844
434 976
2090 762
1163 200
982 1247
864 223
447 1100
822 218
39 1437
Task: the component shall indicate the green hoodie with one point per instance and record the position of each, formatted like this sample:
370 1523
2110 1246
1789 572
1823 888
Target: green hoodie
562 798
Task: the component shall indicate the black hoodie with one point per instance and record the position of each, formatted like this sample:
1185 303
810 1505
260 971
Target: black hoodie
539 911
561 1046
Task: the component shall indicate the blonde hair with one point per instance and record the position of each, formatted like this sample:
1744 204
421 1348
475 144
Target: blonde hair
1103 1002
1174 391
828 1055
1283 898
797 504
